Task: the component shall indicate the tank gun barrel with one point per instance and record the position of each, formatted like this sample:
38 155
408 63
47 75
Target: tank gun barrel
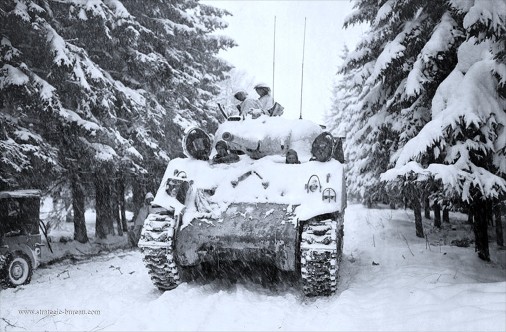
227 136
241 142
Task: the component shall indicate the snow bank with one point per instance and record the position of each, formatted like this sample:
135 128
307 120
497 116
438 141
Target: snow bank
412 286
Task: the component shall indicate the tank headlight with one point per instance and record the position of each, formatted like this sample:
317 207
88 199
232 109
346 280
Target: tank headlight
313 184
329 195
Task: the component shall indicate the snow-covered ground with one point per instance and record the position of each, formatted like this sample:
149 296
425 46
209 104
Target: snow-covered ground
389 280
60 236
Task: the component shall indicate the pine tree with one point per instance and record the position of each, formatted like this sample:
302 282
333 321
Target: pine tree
465 141
406 64
88 85
343 120
386 115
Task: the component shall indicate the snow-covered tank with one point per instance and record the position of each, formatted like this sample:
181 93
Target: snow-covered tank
257 209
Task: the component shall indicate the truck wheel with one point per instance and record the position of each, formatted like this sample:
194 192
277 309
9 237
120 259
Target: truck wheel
17 271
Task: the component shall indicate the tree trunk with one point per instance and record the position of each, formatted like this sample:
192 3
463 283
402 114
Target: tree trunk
105 217
446 214
437 215
68 203
498 225
120 185
56 207
417 209
368 202
80 232
426 207
115 208
490 216
480 212
469 217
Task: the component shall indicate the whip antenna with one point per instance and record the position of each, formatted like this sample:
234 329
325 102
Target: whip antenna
302 77
274 57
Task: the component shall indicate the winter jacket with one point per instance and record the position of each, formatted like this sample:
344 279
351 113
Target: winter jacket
266 103
249 104
229 158
142 215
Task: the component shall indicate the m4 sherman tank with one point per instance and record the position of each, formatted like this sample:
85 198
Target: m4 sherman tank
255 208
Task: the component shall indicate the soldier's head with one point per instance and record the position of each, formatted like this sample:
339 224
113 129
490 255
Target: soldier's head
240 95
149 198
262 89
222 148
292 157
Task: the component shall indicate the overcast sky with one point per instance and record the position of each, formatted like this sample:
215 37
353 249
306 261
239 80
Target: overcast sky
252 27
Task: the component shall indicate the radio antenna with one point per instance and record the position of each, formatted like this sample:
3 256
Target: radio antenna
274 57
302 76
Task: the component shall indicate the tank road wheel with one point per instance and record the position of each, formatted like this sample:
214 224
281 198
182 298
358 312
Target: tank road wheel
157 245
17 270
321 250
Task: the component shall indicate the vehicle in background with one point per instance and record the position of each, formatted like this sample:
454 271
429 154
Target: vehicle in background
20 238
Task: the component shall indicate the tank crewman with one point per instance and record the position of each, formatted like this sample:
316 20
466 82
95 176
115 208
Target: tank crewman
248 105
134 233
292 157
269 106
223 155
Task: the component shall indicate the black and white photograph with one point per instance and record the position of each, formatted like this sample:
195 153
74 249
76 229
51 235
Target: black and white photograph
252 165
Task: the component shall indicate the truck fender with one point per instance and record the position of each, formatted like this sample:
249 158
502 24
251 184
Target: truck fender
26 250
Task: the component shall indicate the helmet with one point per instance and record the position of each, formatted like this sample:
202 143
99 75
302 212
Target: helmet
149 196
240 92
262 85
222 143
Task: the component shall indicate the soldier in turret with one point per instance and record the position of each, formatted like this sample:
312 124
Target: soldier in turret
248 105
223 155
292 157
267 103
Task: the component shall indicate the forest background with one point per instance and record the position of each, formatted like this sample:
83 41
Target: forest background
95 97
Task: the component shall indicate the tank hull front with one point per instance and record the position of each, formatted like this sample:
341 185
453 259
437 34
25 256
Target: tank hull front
246 232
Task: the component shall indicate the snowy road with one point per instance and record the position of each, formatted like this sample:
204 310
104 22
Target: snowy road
413 287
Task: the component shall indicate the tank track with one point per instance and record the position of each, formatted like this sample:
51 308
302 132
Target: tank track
157 245
321 251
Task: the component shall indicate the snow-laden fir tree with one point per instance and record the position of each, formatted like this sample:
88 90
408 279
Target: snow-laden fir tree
386 116
343 121
411 49
90 92
464 144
